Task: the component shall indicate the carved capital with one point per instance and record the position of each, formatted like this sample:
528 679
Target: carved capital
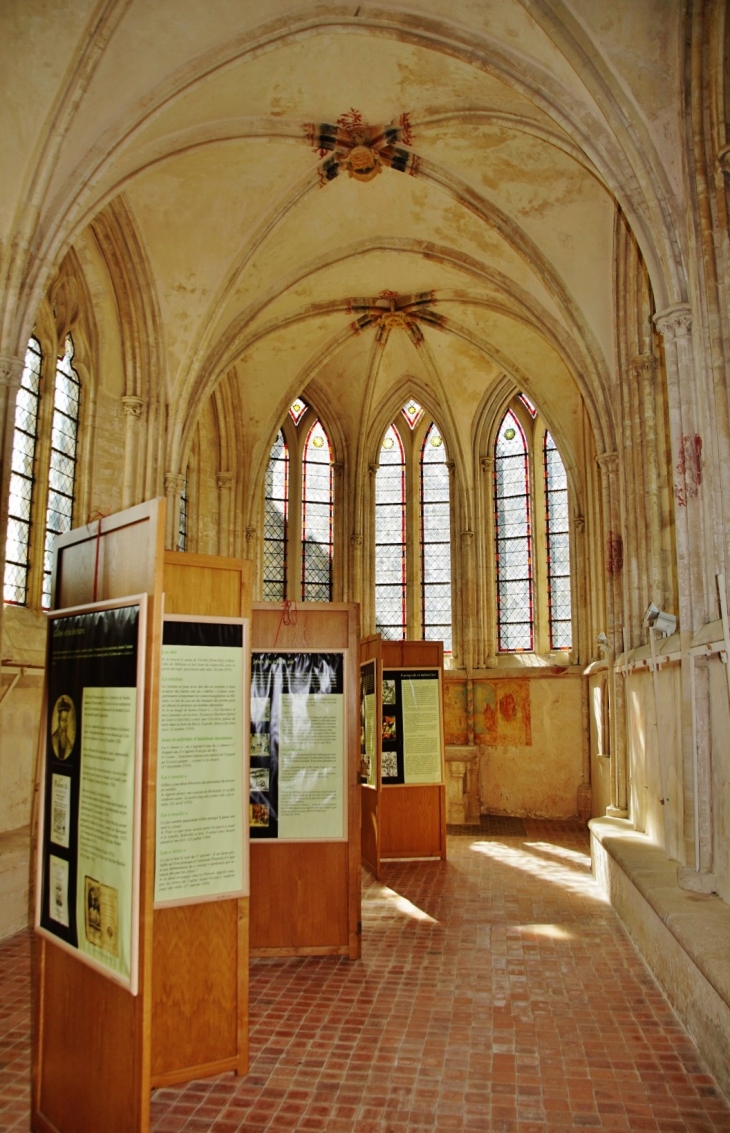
675 322
645 367
133 406
174 483
372 469
467 538
11 371
356 539
450 464
608 462
487 463
338 468
251 534
579 522
723 161
224 480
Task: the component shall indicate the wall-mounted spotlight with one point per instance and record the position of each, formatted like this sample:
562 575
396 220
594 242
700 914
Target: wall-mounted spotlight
659 620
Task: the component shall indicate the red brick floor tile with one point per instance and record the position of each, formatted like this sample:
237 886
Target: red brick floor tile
519 1007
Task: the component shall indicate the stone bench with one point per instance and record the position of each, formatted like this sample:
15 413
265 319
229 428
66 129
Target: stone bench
683 936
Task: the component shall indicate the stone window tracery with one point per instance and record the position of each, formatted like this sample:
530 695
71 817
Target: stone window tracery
22 477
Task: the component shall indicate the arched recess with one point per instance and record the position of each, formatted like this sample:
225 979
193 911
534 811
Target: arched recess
585 520
295 438
141 330
389 411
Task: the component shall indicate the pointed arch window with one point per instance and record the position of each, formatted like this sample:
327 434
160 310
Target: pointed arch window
62 467
182 530
557 533
22 477
276 513
513 537
435 540
317 515
390 538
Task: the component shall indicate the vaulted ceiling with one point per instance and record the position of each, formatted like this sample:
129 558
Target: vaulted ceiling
348 196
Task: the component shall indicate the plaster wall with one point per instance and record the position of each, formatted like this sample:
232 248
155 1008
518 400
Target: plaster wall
599 741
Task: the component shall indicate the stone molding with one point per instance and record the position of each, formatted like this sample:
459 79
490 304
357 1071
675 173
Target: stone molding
174 482
224 480
608 462
645 366
133 406
11 371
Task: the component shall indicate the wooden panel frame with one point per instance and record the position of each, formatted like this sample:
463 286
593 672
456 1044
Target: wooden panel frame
97 1049
405 821
305 896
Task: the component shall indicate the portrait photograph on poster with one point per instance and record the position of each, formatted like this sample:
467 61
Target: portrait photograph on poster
304 750
89 832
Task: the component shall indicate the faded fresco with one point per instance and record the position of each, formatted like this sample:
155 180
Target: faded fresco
456 731
502 713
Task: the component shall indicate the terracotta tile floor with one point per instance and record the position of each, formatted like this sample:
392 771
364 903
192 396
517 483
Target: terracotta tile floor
496 992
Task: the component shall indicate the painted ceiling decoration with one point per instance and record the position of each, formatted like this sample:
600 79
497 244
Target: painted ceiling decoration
360 149
391 311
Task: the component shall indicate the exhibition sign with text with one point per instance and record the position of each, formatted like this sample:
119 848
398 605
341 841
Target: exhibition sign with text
89 836
201 835
297 746
411 726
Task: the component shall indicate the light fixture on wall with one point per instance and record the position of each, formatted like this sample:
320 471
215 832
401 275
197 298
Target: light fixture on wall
659 620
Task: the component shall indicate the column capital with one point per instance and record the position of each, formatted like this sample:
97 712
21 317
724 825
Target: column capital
251 534
174 483
11 371
487 463
372 469
674 322
723 161
356 539
607 462
133 406
224 480
467 538
645 366
338 467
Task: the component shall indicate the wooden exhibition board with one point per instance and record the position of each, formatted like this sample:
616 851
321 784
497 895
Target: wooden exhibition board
97 1048
305 895
200 951
402 820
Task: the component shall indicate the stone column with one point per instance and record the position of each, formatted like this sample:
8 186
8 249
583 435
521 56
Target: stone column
693 550
488 655
340 565
645 368
11 371
174 484
608 464
466 605
225 484
133 409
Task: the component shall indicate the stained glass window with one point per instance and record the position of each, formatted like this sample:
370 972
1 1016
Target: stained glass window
317 509
62 468
390 539
435 541
297 410
25 436
557 526
528 405
276 513
412 412
513 537
182 532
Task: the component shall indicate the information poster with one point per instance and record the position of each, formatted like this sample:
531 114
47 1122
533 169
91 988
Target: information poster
90 811
297 746
200 841
368 744
411 726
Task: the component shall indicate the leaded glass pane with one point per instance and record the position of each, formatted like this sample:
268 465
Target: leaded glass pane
513 537
20 498
182 532
317 516
390 539
276 512
435 540
62 467
557 527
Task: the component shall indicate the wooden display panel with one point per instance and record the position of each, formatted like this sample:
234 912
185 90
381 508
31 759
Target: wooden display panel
91 1041
402 820
97 1049
200 951
305 896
